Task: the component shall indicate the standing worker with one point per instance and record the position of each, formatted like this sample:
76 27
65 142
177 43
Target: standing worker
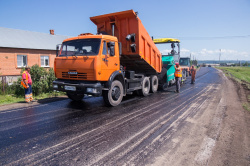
193 73
26 83
178 76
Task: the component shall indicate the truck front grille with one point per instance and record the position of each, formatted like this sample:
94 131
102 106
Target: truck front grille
74 76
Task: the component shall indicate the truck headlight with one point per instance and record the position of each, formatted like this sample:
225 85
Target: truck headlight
55 86
91 90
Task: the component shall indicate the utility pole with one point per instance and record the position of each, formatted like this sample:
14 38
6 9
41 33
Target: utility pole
220 56
190 59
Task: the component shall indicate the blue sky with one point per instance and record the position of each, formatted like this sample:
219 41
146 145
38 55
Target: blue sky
203 26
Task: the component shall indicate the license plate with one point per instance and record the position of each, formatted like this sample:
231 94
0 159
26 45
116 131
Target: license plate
71 88
71 72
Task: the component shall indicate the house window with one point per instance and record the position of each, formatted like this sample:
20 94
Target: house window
21 60
44 61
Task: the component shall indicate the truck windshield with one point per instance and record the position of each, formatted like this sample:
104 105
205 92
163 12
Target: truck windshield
80 47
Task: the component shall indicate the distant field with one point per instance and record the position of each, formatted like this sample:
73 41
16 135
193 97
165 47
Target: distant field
241 73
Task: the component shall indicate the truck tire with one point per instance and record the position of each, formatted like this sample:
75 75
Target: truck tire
154 84
114 95
145 87
75 97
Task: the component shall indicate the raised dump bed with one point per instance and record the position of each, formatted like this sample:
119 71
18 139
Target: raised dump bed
139 52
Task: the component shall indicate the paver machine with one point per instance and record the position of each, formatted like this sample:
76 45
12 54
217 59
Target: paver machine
166 77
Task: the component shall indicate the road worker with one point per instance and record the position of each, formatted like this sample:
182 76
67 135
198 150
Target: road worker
193 73
27 82
178 76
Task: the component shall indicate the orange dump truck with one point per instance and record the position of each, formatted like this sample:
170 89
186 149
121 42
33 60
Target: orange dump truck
120 59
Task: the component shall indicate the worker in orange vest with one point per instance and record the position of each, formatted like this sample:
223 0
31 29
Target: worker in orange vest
178 76
193 73
26 83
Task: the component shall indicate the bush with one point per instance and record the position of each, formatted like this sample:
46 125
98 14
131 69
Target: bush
41 81
8 89
18 88
50 78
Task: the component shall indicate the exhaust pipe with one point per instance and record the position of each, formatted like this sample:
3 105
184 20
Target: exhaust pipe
113 29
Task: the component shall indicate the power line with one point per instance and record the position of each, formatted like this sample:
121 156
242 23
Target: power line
212 38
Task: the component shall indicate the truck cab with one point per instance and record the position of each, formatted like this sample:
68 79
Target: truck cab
185 64
88 57
84 63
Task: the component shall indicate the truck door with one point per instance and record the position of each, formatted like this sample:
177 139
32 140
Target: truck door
109 63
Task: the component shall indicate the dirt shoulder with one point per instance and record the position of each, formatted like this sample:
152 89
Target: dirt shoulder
241 83
233 143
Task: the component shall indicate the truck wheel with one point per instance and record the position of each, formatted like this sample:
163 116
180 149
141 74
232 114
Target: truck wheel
114 95
145 87
75 97
154 84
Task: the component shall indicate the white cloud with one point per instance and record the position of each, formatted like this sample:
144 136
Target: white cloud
185 50
166 51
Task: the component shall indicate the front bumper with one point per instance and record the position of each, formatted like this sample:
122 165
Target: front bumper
78 87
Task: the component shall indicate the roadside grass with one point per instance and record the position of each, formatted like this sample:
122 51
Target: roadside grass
9 99
246 106
240 73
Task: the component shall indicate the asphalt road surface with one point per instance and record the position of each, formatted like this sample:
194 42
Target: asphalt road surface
165 128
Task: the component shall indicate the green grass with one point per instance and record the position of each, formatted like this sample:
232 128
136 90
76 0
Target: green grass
8 99
246 106
240 73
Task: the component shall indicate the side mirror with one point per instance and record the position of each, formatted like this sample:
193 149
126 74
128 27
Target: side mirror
57 49
112 51
111 46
